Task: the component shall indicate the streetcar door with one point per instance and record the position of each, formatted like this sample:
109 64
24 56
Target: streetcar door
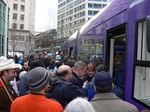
115 57
117 61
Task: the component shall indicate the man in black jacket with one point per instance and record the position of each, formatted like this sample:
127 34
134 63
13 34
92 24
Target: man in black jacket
62 90
78 72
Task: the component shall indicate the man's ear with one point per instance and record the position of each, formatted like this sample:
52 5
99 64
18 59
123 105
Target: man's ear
95 90
66 77
5 72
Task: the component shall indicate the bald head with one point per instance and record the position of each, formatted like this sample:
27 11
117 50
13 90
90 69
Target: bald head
63 67
65 72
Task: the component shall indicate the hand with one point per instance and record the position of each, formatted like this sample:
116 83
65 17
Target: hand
84 84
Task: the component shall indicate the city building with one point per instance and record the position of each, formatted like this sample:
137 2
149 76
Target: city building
4 15
21 26
72 14
45 42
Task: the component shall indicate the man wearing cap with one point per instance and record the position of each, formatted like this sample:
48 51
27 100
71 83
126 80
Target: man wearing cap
104 100
38 81
62 90
57 58
46 62
8 70
23 85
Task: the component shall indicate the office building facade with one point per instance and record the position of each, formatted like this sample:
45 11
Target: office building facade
4 16
72 14
21 26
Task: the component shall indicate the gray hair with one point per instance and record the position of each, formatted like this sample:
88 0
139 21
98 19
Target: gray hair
79 105
79 65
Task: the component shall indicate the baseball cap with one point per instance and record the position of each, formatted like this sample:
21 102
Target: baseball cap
102 79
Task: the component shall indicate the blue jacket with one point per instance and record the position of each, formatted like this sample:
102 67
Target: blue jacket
91 93
64 91
119 75
23 85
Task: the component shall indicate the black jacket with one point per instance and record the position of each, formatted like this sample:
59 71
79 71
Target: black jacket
64 91
76 81
87 78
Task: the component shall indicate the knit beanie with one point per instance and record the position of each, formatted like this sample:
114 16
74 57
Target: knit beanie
38 79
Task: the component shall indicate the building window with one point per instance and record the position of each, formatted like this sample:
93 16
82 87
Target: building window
23 38
89 5
89 12
95 12
22 8
22 0
21 26
21 17
15 6
14 16
98 6
104 5
89 18
15 25
12 37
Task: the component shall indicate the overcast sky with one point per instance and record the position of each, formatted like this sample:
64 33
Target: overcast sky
42 7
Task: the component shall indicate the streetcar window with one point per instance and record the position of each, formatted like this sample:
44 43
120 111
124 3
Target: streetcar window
142 65
142 51
141 84
87 49
91 51
99 52
148 33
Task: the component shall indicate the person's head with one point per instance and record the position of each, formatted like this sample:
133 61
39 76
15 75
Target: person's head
91 68
80 68
58 57
32 56
8 70
52 62
36 63
79 105
20 58
49 56
22 74
58 64
65 72
71 63
103 82
25 65
121 56
38 79
102 67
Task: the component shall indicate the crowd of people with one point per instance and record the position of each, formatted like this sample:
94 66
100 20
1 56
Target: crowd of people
56 83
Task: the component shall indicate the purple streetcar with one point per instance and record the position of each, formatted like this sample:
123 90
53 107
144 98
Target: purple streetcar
119 33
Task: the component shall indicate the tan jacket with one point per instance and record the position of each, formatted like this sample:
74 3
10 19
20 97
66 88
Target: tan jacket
5 101
108 102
